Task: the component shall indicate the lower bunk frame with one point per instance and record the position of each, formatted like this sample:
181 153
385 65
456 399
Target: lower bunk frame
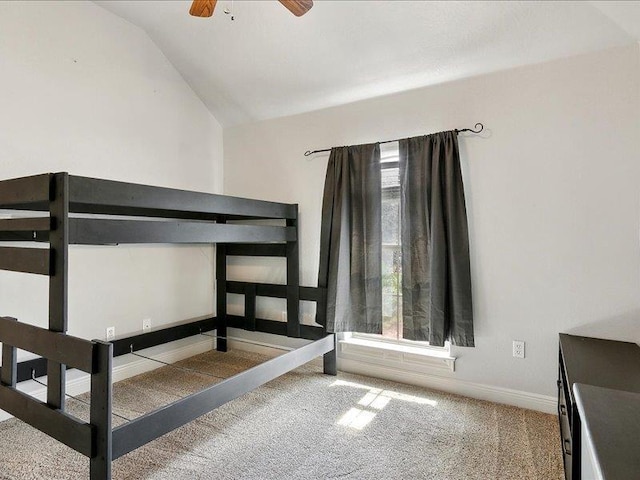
97 439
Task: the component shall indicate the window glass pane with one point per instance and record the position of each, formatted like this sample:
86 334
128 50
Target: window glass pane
390 270
390 221
390 316
390 177
391 299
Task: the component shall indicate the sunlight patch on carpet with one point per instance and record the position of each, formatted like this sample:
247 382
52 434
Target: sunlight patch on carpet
374 400
356 418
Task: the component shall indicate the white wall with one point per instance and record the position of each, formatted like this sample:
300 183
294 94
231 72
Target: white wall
84 91
552 193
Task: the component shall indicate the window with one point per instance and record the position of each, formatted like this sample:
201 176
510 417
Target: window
391 253
391 240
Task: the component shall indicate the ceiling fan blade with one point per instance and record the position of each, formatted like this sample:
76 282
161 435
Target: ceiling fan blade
297 7
202 8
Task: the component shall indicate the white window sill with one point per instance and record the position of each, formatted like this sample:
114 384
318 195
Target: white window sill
405 357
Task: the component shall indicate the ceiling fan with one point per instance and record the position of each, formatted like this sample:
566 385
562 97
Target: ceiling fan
204 8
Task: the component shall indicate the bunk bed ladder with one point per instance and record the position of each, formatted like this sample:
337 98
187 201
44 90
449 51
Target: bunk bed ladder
292 292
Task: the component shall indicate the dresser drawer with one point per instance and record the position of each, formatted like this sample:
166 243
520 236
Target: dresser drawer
564 409
568 459
564 419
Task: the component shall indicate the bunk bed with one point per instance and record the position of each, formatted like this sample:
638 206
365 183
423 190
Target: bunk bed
78 210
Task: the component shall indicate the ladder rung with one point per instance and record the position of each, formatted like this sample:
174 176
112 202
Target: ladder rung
39 224
27 260
257 249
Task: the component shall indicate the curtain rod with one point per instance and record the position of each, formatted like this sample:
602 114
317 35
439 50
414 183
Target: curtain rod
479 127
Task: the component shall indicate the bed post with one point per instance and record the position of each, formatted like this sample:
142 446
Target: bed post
9 372
329 359
293 281
221 294
58 280
101 405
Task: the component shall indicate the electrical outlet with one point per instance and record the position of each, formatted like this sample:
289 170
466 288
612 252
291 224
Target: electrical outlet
518 348
110 333
146 324
284 315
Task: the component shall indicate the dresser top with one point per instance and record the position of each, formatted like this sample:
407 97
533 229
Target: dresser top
604 363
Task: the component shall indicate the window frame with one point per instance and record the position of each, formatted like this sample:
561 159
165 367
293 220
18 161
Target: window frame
389 158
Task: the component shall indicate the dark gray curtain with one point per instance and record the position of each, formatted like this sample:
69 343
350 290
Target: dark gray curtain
351 240
436 279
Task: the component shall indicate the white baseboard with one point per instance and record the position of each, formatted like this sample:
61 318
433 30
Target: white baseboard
372 366
128 366
531 401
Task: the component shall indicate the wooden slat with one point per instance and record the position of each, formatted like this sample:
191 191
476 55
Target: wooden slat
18 236
272 290
144 429
308 332
39 224
257 250
55 423
250 306
26 260
25 190
89 231
262 289
36 365
59 347
122 346
9 373
311 294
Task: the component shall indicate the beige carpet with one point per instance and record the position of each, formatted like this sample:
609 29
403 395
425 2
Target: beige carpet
306 425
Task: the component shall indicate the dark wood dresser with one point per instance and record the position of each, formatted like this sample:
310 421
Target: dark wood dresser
590 361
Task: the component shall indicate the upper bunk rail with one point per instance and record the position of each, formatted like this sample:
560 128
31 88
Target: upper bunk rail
91 195
25 190
90 231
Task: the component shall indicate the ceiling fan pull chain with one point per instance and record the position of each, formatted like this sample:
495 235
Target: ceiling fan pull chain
230 11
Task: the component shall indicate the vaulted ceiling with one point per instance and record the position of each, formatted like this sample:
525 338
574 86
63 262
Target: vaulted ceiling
268 63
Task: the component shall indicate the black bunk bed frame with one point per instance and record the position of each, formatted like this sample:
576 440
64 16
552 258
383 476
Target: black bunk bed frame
178 217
